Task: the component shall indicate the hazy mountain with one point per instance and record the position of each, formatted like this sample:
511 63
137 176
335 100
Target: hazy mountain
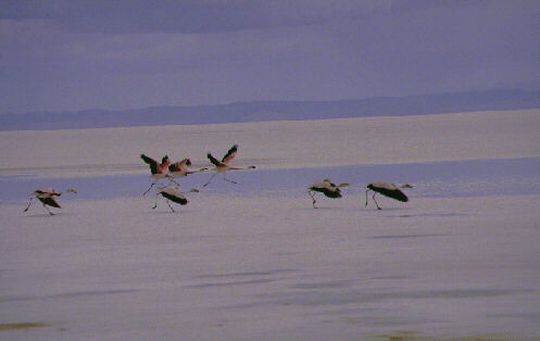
276 110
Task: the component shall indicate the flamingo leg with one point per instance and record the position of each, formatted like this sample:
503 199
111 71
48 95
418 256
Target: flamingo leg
172 180
367 197
149 188
155 203
229 180
48 209
210 180
376 200
196 171
29 203
312 195
172 209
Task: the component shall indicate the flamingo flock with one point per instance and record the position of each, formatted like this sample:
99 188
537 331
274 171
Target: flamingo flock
167 171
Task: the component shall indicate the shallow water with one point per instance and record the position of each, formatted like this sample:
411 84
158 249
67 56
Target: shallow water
434 179
255 264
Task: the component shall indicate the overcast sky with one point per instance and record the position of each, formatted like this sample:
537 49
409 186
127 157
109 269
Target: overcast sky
74 55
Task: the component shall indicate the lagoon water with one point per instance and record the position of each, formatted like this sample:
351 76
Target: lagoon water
435 179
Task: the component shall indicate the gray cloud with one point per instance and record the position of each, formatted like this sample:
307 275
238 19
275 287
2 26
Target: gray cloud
64 55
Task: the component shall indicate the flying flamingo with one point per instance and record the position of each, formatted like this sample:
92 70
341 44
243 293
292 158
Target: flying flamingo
387 189
326 187
46 196
172 193
223 165
158 170
181 168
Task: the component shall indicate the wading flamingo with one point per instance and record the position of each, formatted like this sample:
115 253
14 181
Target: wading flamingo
224 165
387 189
181 168
326 187
158 170
47 198
172 193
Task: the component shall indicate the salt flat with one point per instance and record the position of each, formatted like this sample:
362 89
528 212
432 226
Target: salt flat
238 268
278 144
255 261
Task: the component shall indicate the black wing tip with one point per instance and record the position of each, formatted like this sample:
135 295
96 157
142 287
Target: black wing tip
212 159
146 158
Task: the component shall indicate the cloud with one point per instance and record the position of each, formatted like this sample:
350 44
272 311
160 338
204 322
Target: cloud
124 54
194 16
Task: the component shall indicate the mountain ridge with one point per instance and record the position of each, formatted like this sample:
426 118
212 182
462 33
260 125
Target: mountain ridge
275 110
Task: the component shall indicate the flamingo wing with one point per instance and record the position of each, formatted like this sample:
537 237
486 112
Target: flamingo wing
214 161
231 153
327 188
151 162
395 194
50 201
178 198
388 190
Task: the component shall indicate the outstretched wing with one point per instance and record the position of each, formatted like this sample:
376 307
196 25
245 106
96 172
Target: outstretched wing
178 198
212 159
230 154
397 194
151 162
50 202
390 191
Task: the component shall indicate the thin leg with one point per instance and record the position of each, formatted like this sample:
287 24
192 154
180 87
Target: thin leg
196 171
172 180
229 180
172 209
149 188
210 180
29 203
367 197
376 203
155 203
48 209
312 195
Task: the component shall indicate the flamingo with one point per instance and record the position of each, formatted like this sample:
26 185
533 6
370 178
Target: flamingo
158 170
46 196
387 189
223 165
181 168
172 193
326 187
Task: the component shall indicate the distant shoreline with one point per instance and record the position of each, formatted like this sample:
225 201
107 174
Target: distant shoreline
262 111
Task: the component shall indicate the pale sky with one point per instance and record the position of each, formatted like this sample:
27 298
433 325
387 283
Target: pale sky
60 55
